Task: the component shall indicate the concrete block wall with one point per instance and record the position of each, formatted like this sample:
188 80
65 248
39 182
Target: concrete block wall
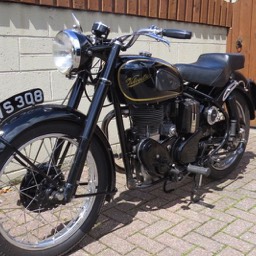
26 34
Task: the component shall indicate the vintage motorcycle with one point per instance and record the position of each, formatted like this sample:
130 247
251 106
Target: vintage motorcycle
57 166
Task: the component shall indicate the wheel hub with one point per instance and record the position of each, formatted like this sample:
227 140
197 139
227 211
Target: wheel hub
36 192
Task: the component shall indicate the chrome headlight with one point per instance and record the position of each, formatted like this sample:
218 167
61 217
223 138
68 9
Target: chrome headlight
69 50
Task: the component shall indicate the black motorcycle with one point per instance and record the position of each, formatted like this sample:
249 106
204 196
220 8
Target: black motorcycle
57 166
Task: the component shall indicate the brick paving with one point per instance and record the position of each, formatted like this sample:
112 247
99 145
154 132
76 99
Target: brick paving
151 222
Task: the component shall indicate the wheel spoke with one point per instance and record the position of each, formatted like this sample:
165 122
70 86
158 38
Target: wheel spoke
28 221
227 157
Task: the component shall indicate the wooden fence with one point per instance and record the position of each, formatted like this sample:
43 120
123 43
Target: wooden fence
211 12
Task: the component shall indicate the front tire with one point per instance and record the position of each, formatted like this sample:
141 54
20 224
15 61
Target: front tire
28 225
223 164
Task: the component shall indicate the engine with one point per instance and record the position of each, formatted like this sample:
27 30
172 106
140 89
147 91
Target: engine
163 135
147 120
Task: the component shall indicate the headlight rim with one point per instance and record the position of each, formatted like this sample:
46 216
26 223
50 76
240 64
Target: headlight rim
72 36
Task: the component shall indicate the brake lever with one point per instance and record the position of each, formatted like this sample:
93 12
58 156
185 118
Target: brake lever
158 38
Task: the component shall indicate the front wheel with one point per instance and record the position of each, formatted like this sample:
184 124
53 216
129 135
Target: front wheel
30 224
228 157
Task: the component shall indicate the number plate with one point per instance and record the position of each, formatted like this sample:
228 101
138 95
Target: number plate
20 101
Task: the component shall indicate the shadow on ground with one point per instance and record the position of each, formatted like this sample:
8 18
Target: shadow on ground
128 203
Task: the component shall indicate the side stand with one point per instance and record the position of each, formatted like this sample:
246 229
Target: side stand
195 194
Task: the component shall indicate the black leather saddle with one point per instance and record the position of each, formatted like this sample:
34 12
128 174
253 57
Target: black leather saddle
212 69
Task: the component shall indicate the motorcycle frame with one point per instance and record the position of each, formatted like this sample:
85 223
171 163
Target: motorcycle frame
104 86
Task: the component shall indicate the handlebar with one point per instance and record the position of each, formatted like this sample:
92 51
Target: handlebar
101 30
155 33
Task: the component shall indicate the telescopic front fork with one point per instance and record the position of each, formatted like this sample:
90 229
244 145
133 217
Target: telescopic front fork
91 122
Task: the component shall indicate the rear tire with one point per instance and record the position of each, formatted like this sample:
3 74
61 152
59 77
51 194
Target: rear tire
25 231
221 166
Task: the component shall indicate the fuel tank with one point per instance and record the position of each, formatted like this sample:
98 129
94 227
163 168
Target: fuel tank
143 79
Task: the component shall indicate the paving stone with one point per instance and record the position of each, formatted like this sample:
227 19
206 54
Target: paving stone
242 214
118 244
252 253
224 203
246 204
249 237
168 215
200 206
251 186
253 229
233 195
222 216
127 203
184 228
238 227
147 244
199 252
212 196
204 242
141 195
253 211
230 252
168 251
154 204
138 252
130 229
194 216
233 242
145 216
104 229
177 204
156 228
159 193
92 246
211 227
233 185
119 216
246 193
176 244
108 252
80 253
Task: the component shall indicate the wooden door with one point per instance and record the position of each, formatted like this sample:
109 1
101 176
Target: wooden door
243 31
242 36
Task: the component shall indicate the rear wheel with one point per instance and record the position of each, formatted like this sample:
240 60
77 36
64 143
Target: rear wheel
228 157
30 223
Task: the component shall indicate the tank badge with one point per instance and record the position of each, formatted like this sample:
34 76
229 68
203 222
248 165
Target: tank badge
136 80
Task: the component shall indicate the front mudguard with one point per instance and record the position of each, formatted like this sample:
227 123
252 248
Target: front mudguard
28 118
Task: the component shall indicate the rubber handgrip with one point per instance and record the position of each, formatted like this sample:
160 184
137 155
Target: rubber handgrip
177 33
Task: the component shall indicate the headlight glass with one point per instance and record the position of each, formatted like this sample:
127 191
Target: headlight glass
66 51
